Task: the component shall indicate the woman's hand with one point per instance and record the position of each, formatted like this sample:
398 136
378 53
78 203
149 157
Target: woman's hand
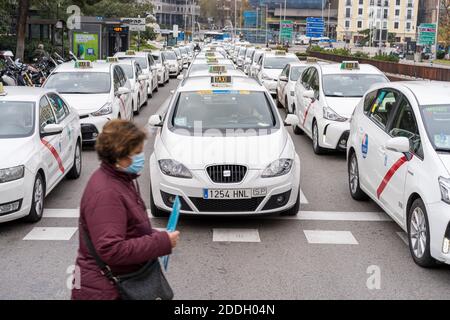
174 237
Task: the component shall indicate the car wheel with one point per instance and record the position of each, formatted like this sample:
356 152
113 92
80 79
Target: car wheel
296 128
419 235
295 209
156 212
286 104
315 137
353 179
138 107
37 202
75 171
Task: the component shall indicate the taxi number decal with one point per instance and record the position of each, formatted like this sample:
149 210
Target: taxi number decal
400 162
55 154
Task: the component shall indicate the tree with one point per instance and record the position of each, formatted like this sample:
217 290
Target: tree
24 6
444 23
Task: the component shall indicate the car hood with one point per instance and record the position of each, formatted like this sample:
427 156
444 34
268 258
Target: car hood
343 106
273 73
257 152
15 152
445 158
86 103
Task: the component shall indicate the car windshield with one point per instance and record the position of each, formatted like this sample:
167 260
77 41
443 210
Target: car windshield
156 58
17 120
278 62
223 109
128 70
143 63
242 52
250 52
296 72
170 55
437 124
80 82
350 85
205 67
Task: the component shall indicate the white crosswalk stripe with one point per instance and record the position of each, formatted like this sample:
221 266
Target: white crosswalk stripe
236 235
50 234
329 237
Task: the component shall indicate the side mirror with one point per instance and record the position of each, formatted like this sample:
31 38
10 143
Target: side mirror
283 78
180 77
309 94
143 77
52 129
122 91
291 120
398 144
155 121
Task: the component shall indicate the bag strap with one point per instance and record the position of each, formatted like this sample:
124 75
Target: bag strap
105 269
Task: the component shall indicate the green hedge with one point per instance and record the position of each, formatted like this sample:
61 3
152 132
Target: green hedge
358 55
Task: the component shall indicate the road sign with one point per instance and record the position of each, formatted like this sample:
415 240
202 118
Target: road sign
287 28
427 34
315 27
175 31
134 24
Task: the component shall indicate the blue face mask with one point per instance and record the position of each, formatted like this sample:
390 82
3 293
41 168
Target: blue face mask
137 165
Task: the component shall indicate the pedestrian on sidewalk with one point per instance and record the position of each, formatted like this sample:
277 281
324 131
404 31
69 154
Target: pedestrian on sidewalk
114 216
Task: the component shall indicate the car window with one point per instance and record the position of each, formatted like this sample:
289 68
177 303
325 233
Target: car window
46 115
285 71
306 76
383 108
59 107
122 76
369 100
314 83
405 125
116 80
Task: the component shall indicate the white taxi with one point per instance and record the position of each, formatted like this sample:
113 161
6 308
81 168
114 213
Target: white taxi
399 155
40 144
99 92
162 67
148 65
171 58
224 150
326 96
271 64
286 84
138 82
252 68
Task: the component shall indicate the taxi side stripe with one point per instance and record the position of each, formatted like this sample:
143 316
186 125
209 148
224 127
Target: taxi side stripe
55 154
400 162
306 113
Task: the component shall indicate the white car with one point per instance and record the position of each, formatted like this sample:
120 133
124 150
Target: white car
148 65
40 144
138 83
399 156
286 84
226 166
162 67
179 58
326 96
99 92
240 61
248 60
271 64
253 68
171 58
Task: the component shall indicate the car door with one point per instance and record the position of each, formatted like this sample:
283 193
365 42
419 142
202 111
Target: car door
66 145
312 107
281 92
375 135
141 84
50 145
398 165
118 102
300 101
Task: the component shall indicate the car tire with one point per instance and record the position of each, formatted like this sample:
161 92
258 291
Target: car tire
286 105
353 179
37 202
294 210
75 171
315 137
419 235
138 107
156 212
296 129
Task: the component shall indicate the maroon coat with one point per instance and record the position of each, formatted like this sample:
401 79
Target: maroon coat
118 225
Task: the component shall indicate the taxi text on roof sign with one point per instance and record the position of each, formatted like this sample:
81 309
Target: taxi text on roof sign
350 65
217 69
210 54
280 53
213 61
112 59
217 81
311 60
83 64
130 52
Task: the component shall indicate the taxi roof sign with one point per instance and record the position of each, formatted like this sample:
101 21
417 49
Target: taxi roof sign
83 64
221 81
350 65
112 59
280 53
130 53
217 69
147 50
213 61
210 54
311 59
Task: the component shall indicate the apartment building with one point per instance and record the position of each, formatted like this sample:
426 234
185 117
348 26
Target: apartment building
391 16
180 12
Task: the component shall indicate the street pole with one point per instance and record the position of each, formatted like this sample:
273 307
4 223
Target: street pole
284 9
381 27
139 38
436 43
267 36
322 9
185 21
193 18
257 25
328 24
279 34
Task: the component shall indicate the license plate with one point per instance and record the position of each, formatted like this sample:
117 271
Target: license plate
227 193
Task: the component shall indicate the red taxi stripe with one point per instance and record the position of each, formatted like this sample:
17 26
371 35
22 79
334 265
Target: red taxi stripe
306 113
400 162
55 154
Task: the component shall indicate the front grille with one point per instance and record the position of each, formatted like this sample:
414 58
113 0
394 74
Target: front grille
236 205
227 173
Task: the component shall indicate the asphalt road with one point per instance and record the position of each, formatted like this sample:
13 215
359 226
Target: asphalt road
335 249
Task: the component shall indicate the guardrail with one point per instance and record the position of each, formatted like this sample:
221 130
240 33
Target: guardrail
409 70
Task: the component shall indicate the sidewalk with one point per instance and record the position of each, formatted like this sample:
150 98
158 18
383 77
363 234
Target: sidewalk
426 64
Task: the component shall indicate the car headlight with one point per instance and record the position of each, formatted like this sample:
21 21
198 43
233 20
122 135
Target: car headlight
174 169
103 111
330 114
444 185
11 174
266 77
278 168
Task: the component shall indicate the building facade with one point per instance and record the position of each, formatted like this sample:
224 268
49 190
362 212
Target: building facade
398 17
180 12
